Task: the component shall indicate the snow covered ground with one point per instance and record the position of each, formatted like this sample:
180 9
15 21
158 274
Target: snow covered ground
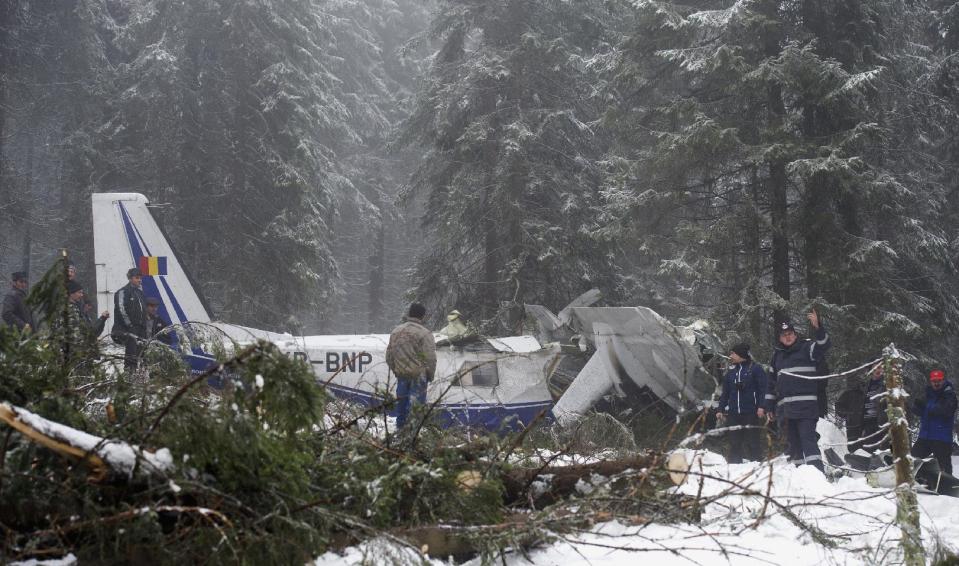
847 511
856 517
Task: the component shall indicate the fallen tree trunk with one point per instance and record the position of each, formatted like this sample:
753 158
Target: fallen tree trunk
550 484
104 457
519 531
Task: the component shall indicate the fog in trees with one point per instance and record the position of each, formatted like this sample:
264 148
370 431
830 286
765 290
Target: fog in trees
317 164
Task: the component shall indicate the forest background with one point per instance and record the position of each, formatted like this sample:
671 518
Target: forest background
318 163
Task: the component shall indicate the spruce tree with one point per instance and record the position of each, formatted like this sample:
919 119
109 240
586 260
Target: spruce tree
765 179
511 178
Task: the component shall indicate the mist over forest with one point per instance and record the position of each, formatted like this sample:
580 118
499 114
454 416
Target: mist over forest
319 163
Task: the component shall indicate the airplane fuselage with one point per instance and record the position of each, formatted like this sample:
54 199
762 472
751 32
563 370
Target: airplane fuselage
489 384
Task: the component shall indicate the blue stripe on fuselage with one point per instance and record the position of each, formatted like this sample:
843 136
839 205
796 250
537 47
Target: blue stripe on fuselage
149 283
490 416
200 363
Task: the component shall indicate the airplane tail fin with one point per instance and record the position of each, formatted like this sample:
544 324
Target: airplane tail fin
125 235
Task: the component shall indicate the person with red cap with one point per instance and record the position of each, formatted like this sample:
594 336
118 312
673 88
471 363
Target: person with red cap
938 414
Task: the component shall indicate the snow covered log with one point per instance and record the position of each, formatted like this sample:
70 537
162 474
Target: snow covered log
550 484
101 455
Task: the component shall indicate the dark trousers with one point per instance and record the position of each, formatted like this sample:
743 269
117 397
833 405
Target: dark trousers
407 390
803 447
871 438
131 352
744 441
868 438
941 449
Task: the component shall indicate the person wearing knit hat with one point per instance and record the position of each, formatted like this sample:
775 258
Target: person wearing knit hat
80 331
156 324
73 287
742 350
937 414
72 276
411 356
741 404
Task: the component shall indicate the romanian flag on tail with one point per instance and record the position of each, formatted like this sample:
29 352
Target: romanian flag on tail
152 265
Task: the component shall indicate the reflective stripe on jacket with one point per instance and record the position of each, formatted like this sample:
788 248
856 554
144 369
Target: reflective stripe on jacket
744 388
790 396
130 312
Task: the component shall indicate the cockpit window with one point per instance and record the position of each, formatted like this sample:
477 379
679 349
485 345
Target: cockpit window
478 374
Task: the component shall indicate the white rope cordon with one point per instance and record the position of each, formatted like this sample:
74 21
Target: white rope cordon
872 365
882 430
701 436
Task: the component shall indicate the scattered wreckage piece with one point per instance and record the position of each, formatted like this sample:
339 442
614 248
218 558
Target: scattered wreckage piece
878 472
105 458
630 346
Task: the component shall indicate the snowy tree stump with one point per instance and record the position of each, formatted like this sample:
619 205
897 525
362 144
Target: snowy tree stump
907 507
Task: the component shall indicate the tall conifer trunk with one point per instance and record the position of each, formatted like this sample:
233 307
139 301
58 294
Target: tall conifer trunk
376 260
779 208
778 194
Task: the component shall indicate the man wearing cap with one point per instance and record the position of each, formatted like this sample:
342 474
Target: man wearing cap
130 327
741 404
938 414
455 328
81 331
15 311
793 396
411 354
155 322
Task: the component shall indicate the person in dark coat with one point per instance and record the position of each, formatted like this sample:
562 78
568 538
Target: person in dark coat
741 404
938 415
72 276
873 411
794 397
863 407
130 326
81 331
155 323
15 311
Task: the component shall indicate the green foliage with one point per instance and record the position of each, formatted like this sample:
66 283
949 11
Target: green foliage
766 152
512 172
261 473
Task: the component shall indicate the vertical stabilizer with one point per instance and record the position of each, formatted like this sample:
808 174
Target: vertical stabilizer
125 235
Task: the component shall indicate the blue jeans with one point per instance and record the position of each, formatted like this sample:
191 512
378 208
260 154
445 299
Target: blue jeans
407 388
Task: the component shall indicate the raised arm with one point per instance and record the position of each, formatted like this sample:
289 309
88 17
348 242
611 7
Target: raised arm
820 344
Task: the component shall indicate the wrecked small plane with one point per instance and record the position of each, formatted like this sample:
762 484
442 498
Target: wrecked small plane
490 383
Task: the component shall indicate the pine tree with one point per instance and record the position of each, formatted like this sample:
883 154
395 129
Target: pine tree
768 167
511 179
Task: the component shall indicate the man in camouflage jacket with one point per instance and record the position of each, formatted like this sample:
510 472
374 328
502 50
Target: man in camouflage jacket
411 354
81 330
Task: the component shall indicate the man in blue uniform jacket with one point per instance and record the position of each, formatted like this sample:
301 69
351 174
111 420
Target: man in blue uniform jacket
741 404
794 397
938 413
